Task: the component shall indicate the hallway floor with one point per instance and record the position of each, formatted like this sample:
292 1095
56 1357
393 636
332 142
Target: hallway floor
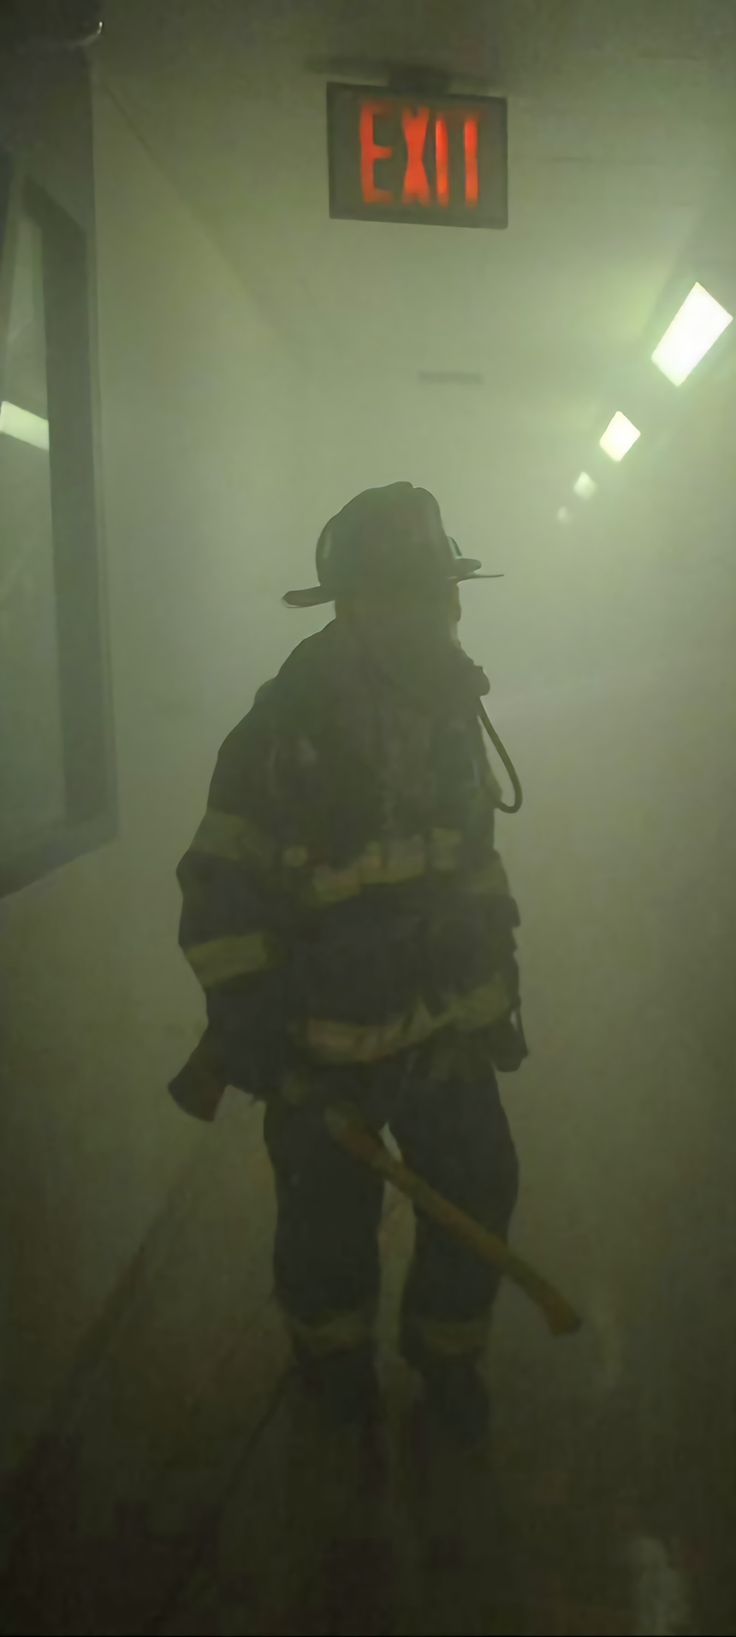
187 1487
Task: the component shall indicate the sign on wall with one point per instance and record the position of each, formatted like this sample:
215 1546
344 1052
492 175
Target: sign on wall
440 160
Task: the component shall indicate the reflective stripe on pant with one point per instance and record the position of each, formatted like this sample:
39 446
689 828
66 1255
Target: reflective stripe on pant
455 1134
332 1333
443 1339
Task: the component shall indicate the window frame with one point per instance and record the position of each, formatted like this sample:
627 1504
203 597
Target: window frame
90 799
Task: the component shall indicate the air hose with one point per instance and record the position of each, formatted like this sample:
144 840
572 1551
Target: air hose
498 744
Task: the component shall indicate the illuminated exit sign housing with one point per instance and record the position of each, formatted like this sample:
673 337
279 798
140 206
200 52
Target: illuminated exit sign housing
398 157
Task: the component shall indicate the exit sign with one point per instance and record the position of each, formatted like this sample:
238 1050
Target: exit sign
396 157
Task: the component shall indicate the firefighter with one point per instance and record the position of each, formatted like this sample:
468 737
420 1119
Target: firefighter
351 924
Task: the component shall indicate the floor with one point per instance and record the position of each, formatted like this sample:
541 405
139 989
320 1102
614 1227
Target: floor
186 1487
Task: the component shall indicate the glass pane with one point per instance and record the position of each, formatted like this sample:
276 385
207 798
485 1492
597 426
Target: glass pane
30 712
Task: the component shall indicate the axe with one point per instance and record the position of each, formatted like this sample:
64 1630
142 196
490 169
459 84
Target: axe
198 1088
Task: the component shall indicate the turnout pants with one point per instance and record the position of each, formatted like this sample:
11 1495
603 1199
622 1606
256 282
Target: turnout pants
456 1135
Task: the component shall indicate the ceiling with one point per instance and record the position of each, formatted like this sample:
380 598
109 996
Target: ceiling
621 162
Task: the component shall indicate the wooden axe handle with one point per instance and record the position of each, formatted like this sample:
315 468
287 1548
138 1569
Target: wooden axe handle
199 1086
349 1131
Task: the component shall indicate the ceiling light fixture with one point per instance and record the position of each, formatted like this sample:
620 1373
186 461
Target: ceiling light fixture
21 424
584 486
620 436
699 322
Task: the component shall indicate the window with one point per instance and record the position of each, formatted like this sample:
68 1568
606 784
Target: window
57 797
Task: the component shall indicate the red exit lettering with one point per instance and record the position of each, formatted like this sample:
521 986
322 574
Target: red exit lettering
416 181
441 160
470 141
370 153
417 188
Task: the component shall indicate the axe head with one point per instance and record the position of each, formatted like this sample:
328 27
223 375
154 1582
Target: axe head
199 1086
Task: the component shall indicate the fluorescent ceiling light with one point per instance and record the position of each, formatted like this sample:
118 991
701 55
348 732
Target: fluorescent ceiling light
691 334
620 436
21 424
584 486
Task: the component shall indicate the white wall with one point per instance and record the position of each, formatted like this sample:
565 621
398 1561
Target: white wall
202 473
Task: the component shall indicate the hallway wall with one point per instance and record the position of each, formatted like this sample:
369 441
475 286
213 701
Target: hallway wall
200 425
